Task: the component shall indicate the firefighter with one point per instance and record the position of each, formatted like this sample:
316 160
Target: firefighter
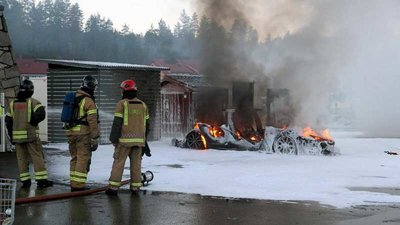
128 135
25 113
83 137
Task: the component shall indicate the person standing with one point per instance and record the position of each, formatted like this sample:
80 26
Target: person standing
128 135
22 120
83 136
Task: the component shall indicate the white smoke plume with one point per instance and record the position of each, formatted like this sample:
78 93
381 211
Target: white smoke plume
319 48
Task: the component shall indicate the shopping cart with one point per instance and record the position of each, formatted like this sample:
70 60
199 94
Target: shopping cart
7 201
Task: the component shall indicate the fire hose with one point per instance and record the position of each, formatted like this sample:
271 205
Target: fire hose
46 198
146 178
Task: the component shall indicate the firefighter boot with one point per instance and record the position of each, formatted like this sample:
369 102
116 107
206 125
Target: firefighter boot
111 192
44 183
135 191
26 183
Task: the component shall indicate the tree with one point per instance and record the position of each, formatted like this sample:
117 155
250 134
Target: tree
194 24
125 30
55 29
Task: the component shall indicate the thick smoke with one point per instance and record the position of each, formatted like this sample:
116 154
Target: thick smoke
319 50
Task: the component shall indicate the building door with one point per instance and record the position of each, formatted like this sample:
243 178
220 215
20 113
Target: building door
176 114
40 93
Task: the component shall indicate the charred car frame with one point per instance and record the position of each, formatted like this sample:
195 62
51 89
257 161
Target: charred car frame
273 140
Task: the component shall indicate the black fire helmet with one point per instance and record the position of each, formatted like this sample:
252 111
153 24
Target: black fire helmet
89 82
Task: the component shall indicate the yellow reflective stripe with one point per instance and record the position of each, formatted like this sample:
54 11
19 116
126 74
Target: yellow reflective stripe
119 115
12 108
24 178
82 108
71 173
147 117
93 111
41 173
128 140
44 177
113 183
80 174
29 110
136 184
126 113
37 106
18 132
76 128
19 137
9 114
24 175
81 180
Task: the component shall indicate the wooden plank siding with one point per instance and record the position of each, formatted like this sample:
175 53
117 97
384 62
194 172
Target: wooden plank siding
62 79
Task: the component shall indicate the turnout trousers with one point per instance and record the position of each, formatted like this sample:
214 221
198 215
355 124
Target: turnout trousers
79 148
120 155
27 152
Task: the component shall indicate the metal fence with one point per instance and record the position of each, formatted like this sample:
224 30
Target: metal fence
7 201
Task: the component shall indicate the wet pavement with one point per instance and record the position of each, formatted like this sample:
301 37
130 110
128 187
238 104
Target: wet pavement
177 208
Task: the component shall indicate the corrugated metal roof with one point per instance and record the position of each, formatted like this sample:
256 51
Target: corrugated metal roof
102 65
193 81
179 66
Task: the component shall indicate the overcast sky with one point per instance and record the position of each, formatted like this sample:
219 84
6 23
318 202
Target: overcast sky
138 14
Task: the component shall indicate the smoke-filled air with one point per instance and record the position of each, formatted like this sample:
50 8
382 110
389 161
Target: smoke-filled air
339 59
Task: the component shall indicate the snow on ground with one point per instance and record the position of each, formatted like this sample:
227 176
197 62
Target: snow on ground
242 174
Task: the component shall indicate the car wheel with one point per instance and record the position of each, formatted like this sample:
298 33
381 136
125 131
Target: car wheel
285 145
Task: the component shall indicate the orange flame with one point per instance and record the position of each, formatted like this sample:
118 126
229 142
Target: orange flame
196 126
216 131
310 133
238 135
325 134
203 139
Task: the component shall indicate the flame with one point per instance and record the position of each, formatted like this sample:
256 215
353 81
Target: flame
238 135
253 138
196 126
310 133
216 131
325 134
203 139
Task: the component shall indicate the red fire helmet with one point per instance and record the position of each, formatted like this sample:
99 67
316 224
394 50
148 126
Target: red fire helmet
128 85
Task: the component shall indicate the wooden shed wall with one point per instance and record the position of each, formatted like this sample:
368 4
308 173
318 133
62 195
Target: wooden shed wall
64 79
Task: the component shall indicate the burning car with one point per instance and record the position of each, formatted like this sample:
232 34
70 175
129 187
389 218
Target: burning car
272 140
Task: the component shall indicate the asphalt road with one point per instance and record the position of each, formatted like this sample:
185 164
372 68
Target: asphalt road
177 208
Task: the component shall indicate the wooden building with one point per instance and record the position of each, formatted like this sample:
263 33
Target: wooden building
66 75
178 94
179 87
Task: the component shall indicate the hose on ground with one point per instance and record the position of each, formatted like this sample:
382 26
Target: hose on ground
52 197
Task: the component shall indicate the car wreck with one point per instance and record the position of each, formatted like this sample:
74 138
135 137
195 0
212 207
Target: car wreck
271 140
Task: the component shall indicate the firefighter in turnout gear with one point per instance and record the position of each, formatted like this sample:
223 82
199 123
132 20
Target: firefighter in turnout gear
128 135
83 136
22 119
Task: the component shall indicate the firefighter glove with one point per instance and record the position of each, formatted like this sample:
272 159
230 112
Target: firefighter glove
146 150
94 144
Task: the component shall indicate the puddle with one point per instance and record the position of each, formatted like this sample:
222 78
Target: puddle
177 166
